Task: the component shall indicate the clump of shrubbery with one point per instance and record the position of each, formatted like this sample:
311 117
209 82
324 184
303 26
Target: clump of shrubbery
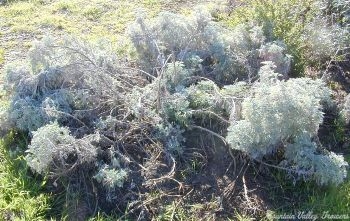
314 31
73 101
94 119
287 115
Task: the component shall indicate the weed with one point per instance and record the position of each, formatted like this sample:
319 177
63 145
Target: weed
174 211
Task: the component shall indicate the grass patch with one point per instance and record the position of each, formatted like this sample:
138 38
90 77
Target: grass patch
308 197
78 17
21 195
335 200
20 9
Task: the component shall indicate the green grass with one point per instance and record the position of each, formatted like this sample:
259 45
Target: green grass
335 200
90 19
21 195
307 196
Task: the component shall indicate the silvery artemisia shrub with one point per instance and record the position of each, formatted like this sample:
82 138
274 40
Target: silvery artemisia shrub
175 76
85 90
176 108
195 65
280 112
204 94
326 37
202 45
63 80
324 41
172 137
55 152
308 162
31 94
276 53
276 112
26 114
37 99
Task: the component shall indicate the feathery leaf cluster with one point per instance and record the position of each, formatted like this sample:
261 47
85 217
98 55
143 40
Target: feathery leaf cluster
279 115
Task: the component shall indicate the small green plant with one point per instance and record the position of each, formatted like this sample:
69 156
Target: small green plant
174 211
111 177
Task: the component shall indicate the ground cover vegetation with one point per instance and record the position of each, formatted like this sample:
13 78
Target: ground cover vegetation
234 111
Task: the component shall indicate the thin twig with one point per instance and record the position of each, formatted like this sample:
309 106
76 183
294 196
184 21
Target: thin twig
211 132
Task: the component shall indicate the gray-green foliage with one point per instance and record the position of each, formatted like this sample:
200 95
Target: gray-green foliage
276 53
37 99
276 112
175 76
34 96
305 158
322 41
205 95
172 137
53 150
111 177
191 57
204 47
64 79
91 114
326 36
176 108
26 114
337 10
280 112
84 89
